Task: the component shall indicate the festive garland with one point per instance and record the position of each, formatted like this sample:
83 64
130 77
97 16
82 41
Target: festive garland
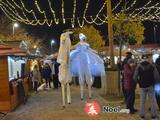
18 11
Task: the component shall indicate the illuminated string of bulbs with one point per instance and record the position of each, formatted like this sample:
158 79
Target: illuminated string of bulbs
64 21
13 17
93 20
147 14
53 12
74 11
130 7
10 9
46 20
117 6
134 14
36 21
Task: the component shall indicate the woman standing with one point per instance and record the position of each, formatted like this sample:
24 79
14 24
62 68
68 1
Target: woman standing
129 85
36 77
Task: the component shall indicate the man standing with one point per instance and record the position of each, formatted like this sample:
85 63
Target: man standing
146 74
157 86
55 71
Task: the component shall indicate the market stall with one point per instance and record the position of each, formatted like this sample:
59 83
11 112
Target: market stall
13 82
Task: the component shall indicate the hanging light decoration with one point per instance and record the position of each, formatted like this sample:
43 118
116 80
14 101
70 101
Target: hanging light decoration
18 11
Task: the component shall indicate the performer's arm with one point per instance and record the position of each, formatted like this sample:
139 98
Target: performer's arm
94 51
88 47
74 46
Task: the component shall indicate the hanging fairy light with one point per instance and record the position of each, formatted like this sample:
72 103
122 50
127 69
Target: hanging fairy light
18 11
64 21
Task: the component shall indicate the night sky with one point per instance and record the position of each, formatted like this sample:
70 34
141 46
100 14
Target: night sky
49 33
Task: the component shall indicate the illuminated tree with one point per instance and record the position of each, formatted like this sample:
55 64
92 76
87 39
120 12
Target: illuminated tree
127 31
94 37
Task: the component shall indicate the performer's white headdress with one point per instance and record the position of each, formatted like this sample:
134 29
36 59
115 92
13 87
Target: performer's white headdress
82 36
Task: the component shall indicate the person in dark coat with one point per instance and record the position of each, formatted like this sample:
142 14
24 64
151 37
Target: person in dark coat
125 61
146 75
55 71
47 74
157 91
130 85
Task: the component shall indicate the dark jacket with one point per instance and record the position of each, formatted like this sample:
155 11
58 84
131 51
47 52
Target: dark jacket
125 61
47 72
157 63
129 83
146 74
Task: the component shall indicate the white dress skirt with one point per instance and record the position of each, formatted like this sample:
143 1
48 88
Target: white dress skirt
85 64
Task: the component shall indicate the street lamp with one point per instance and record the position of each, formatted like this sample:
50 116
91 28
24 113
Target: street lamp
15 25
35 46
52 43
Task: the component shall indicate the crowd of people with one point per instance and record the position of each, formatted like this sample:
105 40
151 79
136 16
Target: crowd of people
147 75
46 72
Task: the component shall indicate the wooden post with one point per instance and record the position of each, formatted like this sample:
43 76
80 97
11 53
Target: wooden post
110 31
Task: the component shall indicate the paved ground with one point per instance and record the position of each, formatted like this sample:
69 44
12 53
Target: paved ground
46 105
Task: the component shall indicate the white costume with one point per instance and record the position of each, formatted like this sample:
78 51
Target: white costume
85 63
64 68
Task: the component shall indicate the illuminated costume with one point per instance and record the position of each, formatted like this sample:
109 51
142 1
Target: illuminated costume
85 64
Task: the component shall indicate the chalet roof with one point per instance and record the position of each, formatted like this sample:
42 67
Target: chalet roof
7 50
15 43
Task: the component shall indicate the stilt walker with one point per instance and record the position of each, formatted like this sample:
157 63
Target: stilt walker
86 64
64 68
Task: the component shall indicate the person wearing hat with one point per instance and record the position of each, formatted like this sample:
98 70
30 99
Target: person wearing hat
146 75
130 85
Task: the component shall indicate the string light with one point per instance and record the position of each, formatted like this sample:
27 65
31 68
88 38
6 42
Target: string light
74 11
14 9
116 6
13 17
6 13
64 21
84 14
132 14
53 12
19 12
128 8
97 16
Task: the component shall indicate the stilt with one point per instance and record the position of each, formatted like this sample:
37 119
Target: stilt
81 87
68 94
90 91
63 95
